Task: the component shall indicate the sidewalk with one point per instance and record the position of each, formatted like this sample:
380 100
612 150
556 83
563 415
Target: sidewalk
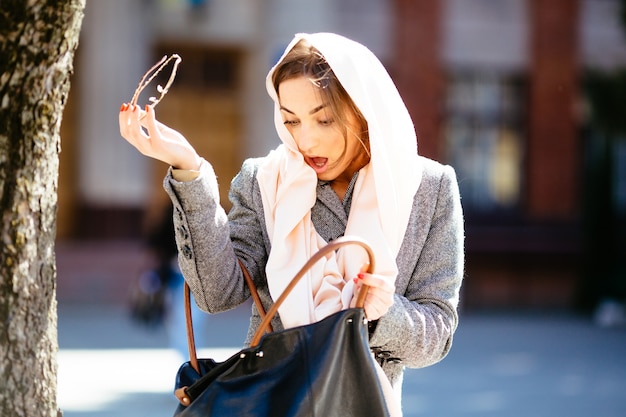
500 365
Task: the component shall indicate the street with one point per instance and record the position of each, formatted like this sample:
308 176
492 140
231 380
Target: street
504 364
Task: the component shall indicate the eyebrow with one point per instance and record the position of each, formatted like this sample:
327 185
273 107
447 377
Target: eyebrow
315 110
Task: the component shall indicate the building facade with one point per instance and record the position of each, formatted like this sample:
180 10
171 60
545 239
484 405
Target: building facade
496 89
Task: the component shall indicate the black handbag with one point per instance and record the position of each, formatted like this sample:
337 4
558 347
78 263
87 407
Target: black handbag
321 369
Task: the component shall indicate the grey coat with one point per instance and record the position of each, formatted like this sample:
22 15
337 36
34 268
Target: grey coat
417 330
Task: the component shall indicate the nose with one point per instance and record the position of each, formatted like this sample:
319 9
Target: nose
306 139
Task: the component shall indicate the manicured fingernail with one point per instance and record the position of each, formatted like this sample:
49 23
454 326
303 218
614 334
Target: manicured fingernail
147 107
360 275
356 280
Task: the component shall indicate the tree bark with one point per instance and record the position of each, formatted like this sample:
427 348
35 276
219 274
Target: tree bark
37 43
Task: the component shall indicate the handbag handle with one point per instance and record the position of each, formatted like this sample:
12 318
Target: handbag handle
330 247
191 340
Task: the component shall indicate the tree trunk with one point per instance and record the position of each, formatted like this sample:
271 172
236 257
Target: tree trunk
37 43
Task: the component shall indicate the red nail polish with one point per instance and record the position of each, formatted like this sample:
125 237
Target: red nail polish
356 280
360 275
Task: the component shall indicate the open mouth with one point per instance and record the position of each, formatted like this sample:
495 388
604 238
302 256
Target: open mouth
318 164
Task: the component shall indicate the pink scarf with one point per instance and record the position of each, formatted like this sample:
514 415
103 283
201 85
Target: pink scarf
382 199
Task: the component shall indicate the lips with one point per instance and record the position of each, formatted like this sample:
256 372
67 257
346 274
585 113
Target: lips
317 163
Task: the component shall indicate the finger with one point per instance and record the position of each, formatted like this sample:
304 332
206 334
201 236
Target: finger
135 133
122 118
149 121
359 291
137 115
371 312
382 294
375 281
156 129
379 297
126 130
133 126
375 307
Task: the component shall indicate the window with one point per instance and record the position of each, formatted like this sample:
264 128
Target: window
485 141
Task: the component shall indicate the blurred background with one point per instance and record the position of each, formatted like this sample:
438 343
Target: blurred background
524 98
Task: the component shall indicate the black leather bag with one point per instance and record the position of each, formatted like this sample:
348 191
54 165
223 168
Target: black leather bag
321 369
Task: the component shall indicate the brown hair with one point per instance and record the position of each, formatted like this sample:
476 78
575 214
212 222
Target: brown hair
305 60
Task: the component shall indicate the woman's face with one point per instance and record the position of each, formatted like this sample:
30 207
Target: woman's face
318 136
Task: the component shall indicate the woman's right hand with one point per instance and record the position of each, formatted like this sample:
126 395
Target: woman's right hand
156 140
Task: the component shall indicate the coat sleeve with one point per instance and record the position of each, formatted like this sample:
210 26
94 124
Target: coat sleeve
206 253
417 331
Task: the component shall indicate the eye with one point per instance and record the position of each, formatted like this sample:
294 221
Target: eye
290 122
326 122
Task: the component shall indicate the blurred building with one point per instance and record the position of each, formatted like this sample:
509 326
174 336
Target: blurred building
495 88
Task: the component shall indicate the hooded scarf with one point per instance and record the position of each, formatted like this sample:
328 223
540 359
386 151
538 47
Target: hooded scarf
382 198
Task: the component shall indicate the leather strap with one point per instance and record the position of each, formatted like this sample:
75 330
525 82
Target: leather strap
191 343
330 247
253 291
266 318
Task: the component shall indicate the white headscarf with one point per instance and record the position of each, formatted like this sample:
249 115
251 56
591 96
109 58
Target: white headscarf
382 198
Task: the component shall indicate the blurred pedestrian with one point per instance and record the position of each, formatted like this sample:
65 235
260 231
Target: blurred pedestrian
158 298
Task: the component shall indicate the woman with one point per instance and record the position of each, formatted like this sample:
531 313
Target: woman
347 165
